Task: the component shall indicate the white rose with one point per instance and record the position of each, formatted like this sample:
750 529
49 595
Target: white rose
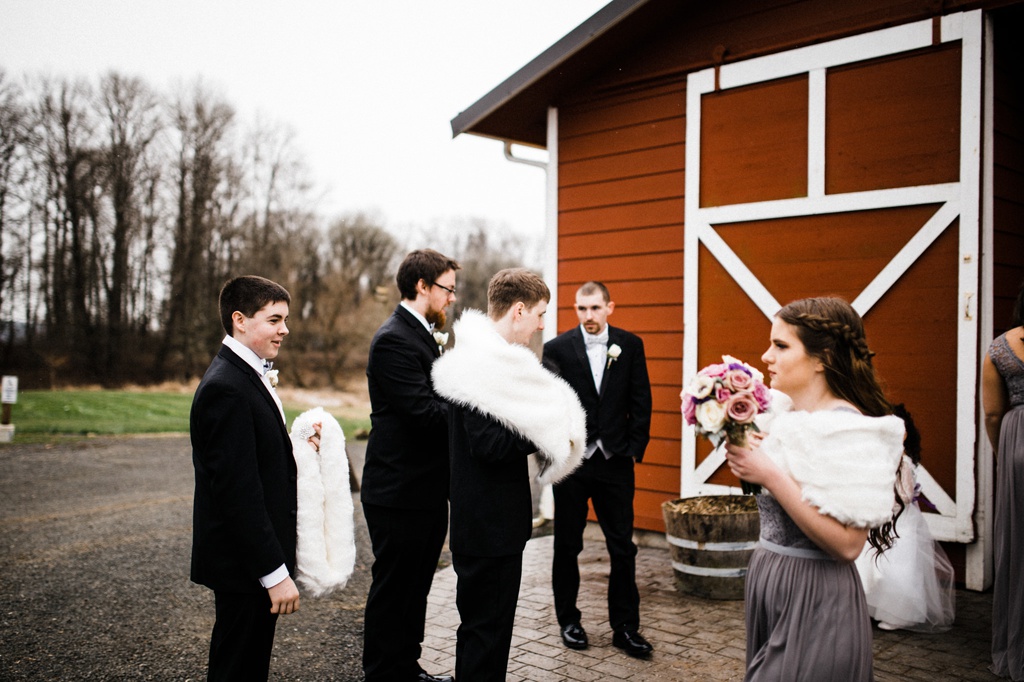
272 378
701 386
441 338
711 416
613 353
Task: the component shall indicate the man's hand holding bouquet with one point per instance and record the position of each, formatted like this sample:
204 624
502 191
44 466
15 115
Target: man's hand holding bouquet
722 402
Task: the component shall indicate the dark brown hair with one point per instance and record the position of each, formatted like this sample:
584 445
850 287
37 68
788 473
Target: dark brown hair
425 264
1017 316
248 294
833 333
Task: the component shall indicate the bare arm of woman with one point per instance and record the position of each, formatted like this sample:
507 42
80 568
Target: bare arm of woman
844 543
994 400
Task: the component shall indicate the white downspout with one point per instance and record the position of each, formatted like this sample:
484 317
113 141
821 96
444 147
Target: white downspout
550 267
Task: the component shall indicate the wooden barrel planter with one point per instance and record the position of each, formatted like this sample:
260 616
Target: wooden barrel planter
711 540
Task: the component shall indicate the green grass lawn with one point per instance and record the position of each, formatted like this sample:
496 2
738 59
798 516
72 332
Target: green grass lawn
40 414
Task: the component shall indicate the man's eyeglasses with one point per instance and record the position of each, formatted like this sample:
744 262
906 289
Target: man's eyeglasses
450 291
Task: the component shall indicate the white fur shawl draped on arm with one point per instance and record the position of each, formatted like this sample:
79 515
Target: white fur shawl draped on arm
326 551
844 462
507 382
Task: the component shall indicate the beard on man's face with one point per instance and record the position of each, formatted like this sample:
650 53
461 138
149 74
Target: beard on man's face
436 318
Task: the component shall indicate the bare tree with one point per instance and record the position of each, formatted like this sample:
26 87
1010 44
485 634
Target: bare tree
482 249
132 121
343 310
201 122
70 163
14 141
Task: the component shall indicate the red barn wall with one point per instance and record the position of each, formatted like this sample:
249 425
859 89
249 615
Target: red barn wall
621 183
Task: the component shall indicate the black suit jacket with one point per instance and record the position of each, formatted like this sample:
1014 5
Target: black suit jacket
406 463
492 506
620 412
244 512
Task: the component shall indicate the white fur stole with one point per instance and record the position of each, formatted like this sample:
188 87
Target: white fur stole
844 462
326 549
507 382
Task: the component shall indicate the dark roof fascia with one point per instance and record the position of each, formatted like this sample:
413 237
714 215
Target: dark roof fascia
604 20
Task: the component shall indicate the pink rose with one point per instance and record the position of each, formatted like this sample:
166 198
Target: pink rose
738 380
718 370
763 396
689 408
722 394
742 408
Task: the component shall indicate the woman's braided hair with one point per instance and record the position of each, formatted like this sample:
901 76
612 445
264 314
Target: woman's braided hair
833 333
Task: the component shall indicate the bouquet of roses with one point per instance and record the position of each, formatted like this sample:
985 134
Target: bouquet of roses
722 402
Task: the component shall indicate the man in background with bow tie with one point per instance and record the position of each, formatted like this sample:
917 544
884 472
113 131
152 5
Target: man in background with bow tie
404 489
244 511
608 370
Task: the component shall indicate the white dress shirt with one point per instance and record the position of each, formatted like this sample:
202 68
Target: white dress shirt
597 353
419 317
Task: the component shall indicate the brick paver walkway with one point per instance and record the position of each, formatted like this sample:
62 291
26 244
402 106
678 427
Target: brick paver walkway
694 639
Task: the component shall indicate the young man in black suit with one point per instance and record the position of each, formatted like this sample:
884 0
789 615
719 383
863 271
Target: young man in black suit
607 368
404 489
244 513
503 407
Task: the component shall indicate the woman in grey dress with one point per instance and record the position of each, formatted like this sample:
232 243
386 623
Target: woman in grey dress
1003 400
827 469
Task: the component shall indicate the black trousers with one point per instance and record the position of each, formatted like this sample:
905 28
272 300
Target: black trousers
487 592
609 483
406 546
243 637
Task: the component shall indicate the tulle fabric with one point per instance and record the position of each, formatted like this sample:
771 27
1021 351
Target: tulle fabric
911 585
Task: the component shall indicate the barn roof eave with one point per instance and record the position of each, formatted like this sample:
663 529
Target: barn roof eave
533 86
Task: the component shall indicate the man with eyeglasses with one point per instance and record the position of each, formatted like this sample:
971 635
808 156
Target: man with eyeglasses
405 482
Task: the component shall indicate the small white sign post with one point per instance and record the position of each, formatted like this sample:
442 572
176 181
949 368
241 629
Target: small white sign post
8 396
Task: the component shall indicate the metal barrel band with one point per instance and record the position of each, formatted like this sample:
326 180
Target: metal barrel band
711 546
710 572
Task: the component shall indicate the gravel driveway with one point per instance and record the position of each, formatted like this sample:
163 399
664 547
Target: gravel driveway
96 537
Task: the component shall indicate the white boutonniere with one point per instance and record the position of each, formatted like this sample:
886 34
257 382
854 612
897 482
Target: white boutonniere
441 339
272 378
614 351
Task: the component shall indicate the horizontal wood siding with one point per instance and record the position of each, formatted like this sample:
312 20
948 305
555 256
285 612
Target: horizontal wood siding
1008 161
691 40
754 143
620 200
894 122
829 254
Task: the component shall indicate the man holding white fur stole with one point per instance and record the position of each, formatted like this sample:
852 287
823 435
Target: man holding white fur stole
503 406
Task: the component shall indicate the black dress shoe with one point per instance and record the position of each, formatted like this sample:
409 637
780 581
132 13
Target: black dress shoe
427 677
632 642
574 636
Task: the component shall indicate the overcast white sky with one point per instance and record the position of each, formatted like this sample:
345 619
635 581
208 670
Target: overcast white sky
370 86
